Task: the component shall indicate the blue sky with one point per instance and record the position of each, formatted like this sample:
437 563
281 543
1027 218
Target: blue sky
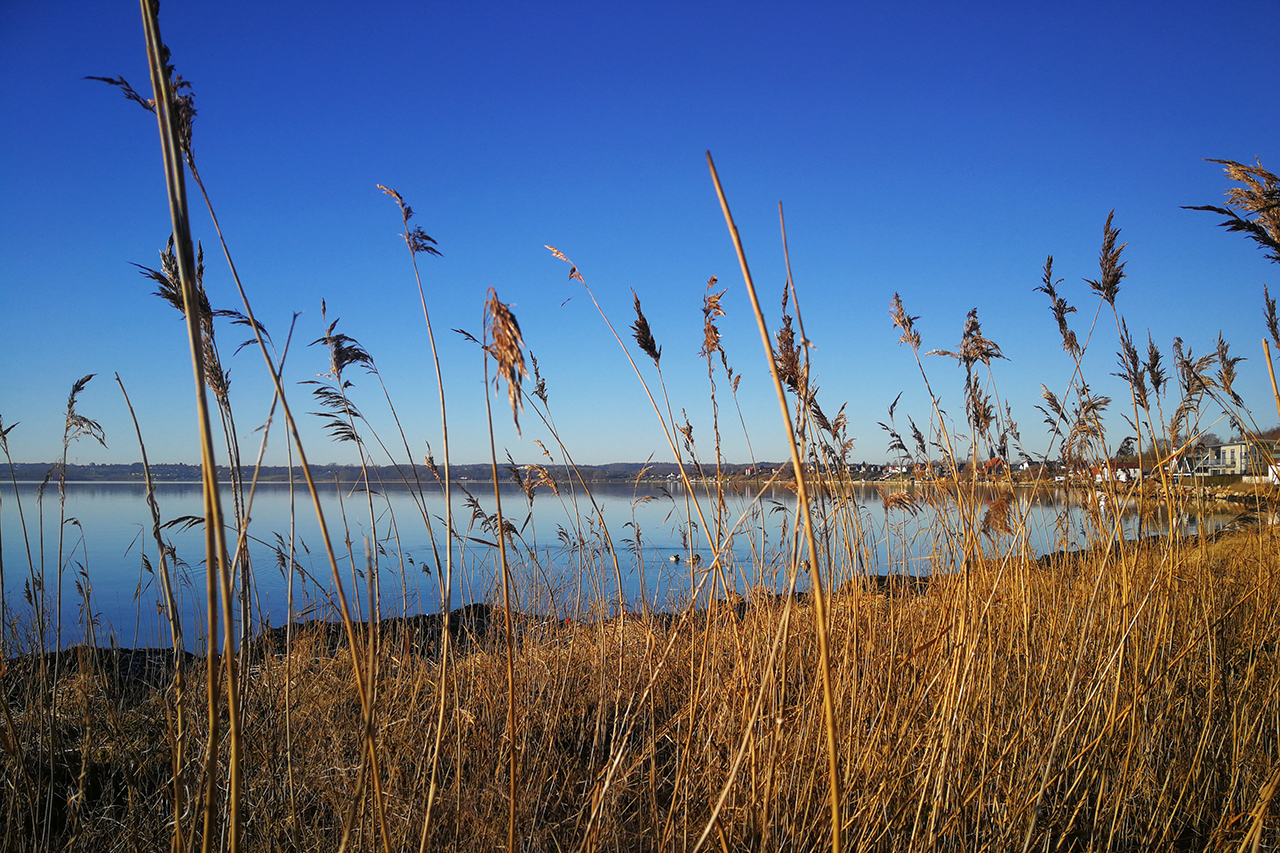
934 150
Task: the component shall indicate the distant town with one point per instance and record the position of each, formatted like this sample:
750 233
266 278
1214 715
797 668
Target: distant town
1232 458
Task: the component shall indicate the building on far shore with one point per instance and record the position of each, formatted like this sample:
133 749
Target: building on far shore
1232 458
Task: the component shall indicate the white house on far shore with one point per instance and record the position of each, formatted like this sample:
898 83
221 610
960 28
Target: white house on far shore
1235 457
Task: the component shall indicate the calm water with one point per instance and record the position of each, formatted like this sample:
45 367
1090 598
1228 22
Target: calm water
561 561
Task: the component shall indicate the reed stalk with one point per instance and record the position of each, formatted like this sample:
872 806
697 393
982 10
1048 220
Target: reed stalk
503 342
217 573
26 538
174 618
417 241
819 607
173 151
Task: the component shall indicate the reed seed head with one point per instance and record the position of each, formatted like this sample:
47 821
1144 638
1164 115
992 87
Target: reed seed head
539 381
1227 370
415 238
573 270
1055 412
1154 368
1259 197
4 435
643 335
710 311
787 356
974 346
978 404
1131 368
399 200
820 417
183 104
1273 326
506 346
997 518
77 424
898 502
344 351
904 322
686 431
420 243
1109 264
918 438
1059 307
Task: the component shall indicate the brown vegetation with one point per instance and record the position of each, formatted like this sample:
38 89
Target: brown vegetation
1020 702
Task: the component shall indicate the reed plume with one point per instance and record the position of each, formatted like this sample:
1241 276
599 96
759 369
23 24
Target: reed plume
787 358
506 346
1111 268
904 322
1060 308
1258 196
710 311
641 332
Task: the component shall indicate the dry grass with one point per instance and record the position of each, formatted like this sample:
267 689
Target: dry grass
1016 704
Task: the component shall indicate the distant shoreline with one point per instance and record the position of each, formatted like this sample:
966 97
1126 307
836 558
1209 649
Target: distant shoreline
483 472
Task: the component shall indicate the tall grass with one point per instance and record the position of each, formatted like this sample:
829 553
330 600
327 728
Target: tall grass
1120 696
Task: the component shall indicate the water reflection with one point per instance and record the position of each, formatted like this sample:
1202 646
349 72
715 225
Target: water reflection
638 546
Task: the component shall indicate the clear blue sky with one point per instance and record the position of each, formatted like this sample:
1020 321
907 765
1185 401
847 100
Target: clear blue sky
939 150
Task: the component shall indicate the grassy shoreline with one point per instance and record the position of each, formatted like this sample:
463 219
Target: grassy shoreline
1006 705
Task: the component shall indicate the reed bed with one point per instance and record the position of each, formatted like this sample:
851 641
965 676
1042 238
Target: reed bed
1121 696
1015 706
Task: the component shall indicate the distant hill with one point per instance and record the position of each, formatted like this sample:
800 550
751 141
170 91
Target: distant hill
181 472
